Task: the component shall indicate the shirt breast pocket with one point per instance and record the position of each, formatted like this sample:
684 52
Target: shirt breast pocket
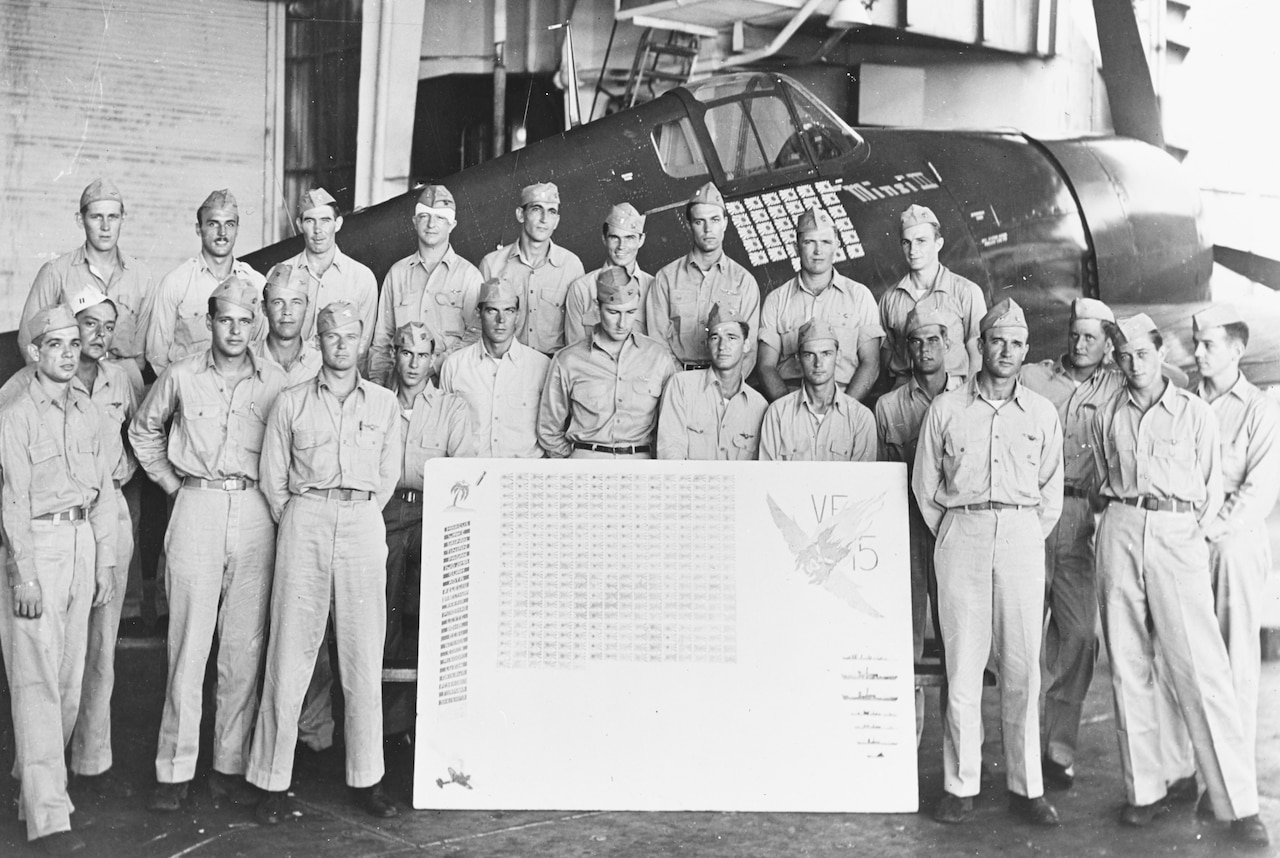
746 445
840 450
1025 452
46 462
955 450
309 439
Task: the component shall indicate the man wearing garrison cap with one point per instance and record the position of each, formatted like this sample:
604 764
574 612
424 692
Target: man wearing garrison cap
285 305
60 530
819 422
328 273
434 286
177 327
600 400
712 413
899 416
623 236
500 378
929 281
198 435
686 289
1158 464
539 269
818 291
101 264
1078 383
988 480
331 458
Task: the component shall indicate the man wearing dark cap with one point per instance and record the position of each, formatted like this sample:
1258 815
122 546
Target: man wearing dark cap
686 289
623 236
500 379
538 268
601 396
819 422
930 282
60 527
818 291
988 479
1158 464
219 541
899 416
181 303
434 286
1078 384
285 304
330 462
99 263
713 413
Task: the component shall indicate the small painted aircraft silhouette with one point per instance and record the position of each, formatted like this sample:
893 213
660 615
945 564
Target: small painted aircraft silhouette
818 556
455 777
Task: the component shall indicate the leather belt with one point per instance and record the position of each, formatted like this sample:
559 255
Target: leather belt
617 451
1151 504
409 495
342 494
695 364
1071 491
230 484
76 513
986 505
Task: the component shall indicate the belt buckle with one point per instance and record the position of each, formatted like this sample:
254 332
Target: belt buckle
344 494
1151 504
230 484
410 496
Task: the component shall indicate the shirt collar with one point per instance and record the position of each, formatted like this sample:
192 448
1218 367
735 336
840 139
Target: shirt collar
596 340
710 381
913 385
254 360
1241 390
837 402
44 401
1018 394
322 384
82 258
514 352
720 264
447 259
834 284
555 256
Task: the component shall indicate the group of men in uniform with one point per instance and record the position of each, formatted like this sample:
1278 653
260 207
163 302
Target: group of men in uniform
292 415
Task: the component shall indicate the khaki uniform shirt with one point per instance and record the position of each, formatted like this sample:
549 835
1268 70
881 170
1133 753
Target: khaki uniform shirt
846 304
1169 452
129 289
181 303
697 422
344 280
971 451
899 416
216 432
582 313
682 297
1076 404
594 398
302 368
792 430
1249 425
950 291
445 302
52 460
502 395
313 441
437 425
543 288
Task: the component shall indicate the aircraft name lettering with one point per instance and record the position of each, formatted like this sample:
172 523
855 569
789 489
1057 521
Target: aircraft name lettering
908 183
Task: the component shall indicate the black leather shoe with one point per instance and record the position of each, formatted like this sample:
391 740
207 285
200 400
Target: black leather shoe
952 809
105 785
1036 811
232 788
1056 776
1250 831
375 802
1182 791
69 843
1139 815
168 798
273 808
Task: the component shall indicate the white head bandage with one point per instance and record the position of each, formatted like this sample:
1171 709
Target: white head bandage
437 211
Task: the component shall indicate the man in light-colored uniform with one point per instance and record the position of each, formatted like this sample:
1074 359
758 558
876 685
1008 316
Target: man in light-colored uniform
285 303
686 289
330 461
819 422
500 378
713 413
819 292
538 268
601 396
434 286
60 527
1158 463
623 236
177 325
929 281
1078 384
988 479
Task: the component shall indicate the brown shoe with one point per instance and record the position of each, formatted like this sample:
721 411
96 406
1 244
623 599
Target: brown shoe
168 798
1036 811
375 802
60 843
952 809
1250 831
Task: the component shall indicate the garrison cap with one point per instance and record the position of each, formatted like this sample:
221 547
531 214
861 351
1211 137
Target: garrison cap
496 289
1091 308
339 314
916 215
615 286
723 315
85 297
707 195
55 318
238 291
1006 314
414 335
222 199
540 192
814 220
1215 315
314 199
625 216
925 315
99 190
1134 327
816 329
437 197
280 281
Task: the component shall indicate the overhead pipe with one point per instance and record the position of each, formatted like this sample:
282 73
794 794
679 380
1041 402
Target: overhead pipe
784 35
